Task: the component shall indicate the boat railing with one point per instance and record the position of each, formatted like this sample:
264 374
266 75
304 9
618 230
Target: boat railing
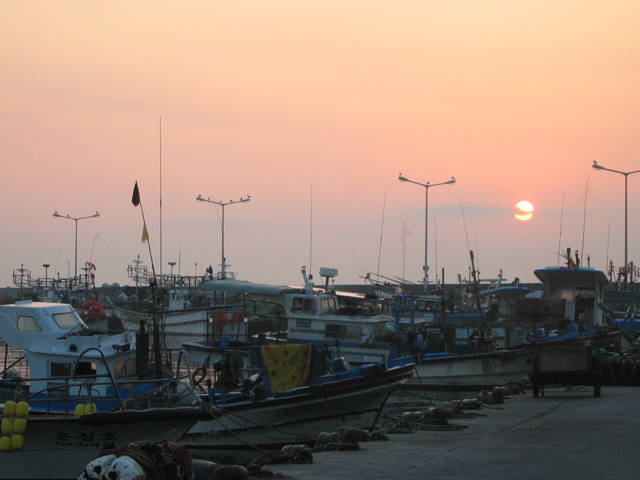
56 397
58 391
109 373
189 374
7 368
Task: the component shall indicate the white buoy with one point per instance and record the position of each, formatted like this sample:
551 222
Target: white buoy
96 468
125 468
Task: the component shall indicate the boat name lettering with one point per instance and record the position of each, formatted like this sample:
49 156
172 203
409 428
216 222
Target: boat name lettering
303 323
85 439
57 390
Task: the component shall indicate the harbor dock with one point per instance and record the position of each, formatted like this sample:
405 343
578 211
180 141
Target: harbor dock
565 434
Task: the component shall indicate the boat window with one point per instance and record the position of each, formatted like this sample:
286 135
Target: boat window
124 368
296 304
61 369
329 305
309 305
302 304
86 368
585 298
120 369
28 324
66 320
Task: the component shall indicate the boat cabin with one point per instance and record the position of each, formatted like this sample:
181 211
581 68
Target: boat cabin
581 288
52 337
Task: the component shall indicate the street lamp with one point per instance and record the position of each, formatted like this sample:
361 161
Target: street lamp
223 204
426 219
56 214
626 230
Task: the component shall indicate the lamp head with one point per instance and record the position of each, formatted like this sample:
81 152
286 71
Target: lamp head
596 166
403 179
449 182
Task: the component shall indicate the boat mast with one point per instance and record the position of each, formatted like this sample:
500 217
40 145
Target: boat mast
160 197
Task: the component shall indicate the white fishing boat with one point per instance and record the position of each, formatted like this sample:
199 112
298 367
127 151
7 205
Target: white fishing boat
182 321
70 371
580 289
60 446
361 331
470 371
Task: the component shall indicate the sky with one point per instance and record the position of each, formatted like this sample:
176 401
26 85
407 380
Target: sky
314 109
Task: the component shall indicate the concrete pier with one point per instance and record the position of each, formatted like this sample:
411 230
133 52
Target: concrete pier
567 434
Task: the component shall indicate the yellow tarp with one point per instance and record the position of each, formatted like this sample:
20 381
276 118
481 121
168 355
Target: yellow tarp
288 366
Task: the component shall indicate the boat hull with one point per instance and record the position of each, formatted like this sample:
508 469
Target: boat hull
182 326
297 419
60 447
468 372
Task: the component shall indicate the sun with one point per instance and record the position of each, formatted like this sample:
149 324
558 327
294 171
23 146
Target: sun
524 210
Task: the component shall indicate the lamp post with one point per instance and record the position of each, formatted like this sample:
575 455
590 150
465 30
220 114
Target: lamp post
56 214
426 220
223 204
626 229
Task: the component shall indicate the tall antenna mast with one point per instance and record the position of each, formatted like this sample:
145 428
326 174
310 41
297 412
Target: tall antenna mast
560 236
384 204
311 234
160 197
608 228
435 240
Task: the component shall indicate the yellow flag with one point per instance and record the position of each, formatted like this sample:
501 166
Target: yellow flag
145 234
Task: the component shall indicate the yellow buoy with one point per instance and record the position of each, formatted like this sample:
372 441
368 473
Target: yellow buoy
90 408
79 410
5 444
7 426
22 409
17 442
19 425
10 408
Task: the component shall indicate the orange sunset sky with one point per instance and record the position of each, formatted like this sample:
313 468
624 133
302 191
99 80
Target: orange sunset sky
313 109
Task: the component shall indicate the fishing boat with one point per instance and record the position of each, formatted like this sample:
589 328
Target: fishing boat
187 314
60 446
287 398
581 290
571 299
470 371
68 364
360 330
83 390
182 320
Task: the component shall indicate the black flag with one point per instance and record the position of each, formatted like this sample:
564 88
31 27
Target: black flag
136 195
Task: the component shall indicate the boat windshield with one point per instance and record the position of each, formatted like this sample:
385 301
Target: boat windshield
66 320
329 305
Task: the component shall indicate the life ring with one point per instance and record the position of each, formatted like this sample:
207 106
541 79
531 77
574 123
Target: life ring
224 318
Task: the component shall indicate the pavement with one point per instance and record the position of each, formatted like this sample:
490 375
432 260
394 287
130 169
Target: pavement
565 434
